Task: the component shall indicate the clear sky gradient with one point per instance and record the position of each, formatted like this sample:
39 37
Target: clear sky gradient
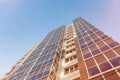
25 22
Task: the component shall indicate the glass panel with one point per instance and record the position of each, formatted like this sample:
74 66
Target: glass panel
93 47
46 73
83 46
87 55
39 75
110 54
105 66
39 65
33 78
100 34
50 60
41 70
101 44
100 59
88 40
95 52
93 71
90 43
82 42
90 63
108 41
85 51
113 44
105 36
96 40
117 50
104 48
115 62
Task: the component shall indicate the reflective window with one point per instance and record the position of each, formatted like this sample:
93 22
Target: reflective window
104 48
96 40
90 63
87 55
93 71
95 51
105 66
115 62
104 36
100 59
93 47
113 44
110 54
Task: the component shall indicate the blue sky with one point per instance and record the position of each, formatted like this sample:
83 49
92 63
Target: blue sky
25 22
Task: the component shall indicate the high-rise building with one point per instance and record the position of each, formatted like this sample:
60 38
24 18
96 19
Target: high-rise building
78 51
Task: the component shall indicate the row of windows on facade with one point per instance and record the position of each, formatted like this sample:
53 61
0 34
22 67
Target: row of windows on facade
45 40
40 72
56 36
32 71
21 70
27 67
42 55
105 61
70 41
71 58
105 66
98 48
33 75
69 34
81 21
32 61
72 50
69 38
36 55
84 30
88 42
113 52
86 27
90 37
71 69
93 38
70 45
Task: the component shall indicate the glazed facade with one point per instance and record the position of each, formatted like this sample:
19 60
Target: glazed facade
78 51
